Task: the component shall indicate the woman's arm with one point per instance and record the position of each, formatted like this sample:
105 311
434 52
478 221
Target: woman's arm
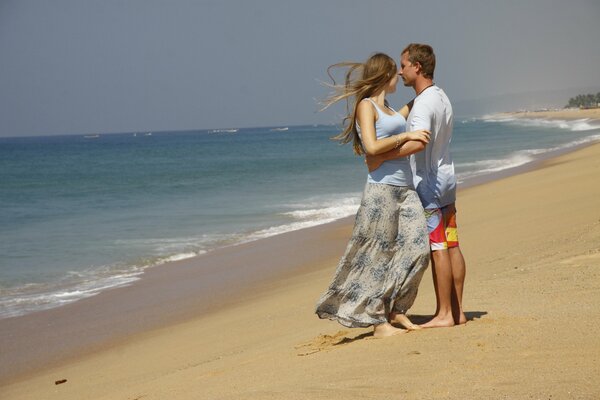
373 146
408 148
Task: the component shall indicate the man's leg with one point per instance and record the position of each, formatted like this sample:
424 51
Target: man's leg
443 283
441 268
458 275
458 263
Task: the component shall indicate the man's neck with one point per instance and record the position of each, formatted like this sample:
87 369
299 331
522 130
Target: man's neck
422 84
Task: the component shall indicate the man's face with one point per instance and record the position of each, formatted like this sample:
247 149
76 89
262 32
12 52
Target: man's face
408 71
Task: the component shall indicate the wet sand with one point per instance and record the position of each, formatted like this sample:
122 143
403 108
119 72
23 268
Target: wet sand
165 295
532 245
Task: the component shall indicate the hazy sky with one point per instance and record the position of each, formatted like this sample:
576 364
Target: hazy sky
86 66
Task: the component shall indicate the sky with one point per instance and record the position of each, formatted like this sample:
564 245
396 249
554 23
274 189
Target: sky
100 66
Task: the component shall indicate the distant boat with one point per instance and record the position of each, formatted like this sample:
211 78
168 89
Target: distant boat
148 134
91 136
280 129
135 134
223 131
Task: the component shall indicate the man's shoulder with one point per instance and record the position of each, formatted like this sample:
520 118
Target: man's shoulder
436 93
434 100
423 104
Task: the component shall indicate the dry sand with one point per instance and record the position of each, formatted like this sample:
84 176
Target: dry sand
565 114
532 245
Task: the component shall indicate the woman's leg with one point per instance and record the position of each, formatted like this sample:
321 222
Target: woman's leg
412 257
360 292
385 330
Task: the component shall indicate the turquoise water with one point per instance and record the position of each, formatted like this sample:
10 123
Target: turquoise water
81 214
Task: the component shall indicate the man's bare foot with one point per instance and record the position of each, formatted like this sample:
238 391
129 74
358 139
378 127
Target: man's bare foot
439 322
462 319
403 320
385 330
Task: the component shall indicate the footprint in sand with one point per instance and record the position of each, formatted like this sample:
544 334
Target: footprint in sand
326 342
591 258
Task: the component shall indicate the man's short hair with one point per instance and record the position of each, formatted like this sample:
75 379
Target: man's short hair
422 54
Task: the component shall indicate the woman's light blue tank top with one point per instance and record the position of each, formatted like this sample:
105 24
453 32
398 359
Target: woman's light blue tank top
396 172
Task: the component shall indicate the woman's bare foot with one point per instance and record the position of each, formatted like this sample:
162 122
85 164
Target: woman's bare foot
385 330
403 320
462 319
440 322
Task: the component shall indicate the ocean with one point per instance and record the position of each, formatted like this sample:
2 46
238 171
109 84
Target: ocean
83 213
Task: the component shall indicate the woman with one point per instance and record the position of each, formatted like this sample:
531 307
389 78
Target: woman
377 278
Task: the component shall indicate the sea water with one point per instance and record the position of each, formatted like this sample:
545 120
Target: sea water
83 213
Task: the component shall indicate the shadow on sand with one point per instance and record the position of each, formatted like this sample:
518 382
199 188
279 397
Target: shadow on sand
341 338
421 319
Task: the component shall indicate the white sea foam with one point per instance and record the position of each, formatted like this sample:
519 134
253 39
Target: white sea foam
325 211
164 248
318 218
182 256
515 159
522 157
576 125
312 212
36 297
484 167
584 125
82 284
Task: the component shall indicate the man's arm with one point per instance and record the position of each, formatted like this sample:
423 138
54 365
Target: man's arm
404 111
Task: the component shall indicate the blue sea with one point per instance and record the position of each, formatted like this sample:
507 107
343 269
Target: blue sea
83 213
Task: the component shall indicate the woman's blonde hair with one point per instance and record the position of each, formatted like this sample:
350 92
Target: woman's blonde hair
362 80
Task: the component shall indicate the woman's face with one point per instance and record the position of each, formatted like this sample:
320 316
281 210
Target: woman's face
391 86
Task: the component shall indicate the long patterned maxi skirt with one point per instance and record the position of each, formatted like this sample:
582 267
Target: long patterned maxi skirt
384 261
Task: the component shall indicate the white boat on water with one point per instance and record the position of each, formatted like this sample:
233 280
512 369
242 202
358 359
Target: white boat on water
91 136
280 129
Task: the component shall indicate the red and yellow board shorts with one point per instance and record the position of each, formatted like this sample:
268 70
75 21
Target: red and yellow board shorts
441 224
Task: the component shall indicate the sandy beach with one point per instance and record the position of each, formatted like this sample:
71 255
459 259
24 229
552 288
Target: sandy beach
565 114
532 245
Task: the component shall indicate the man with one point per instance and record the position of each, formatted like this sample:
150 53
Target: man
434 180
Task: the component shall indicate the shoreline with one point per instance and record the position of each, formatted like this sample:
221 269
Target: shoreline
164 295
560 114
51 295
176 259
538 162
167 297
465 184
156 317
522 290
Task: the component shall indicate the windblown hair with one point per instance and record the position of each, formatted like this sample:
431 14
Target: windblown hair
362 80
422 54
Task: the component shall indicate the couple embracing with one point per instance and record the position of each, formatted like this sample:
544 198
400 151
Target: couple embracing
407 214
